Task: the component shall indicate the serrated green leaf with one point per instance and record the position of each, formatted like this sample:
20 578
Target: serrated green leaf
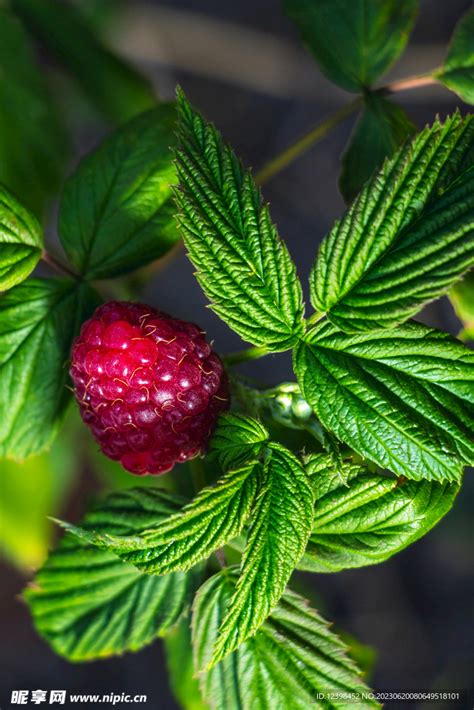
462 299
117 212
216 515
237 439
457 72
366 518
115 87
38 321
353 41
293 661
408 236
32 140
403 398
87 604
21 241
326 472
279 529
242 265
381 128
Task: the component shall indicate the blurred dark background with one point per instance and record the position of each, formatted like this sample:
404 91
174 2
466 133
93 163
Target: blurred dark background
242 65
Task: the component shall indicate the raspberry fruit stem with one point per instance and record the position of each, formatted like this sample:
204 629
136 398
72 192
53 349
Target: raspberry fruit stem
245 355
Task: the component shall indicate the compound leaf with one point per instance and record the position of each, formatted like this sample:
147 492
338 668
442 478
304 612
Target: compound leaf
457 72
293 661
237 438
381 128
353 41
242 265
32 140
366 518
403 398
21 241
117 212
38 321
279 529
216 515
117 89
87 604
407 237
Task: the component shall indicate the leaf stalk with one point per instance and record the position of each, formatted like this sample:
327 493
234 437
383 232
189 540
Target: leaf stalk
245 355
306 141
321 130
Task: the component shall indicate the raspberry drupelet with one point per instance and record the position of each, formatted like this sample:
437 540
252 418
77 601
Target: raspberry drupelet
149 387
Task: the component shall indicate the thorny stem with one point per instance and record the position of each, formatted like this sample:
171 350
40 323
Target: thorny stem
245 355
57 265
321 130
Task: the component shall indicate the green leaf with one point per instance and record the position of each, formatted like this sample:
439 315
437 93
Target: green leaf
32 141
462 300
368 518
216 515
403 398
117 211
21 241
30 492
353 41
116 88
179 662
457 72
237 439
87 604
242 265
279 529
327 472
293 661
408 236
381 128
38 321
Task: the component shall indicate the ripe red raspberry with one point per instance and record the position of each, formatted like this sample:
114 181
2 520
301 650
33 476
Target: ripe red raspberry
148 386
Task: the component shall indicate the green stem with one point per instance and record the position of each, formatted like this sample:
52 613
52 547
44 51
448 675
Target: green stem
315 318
245 355
321 130
302 144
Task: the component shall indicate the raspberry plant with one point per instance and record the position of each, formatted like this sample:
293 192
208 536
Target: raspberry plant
381 411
